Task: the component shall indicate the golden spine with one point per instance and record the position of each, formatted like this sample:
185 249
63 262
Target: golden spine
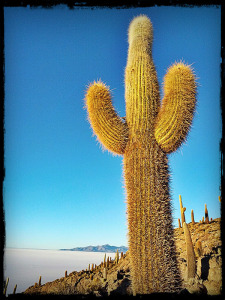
149 132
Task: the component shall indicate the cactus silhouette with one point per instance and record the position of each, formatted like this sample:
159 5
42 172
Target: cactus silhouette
148 133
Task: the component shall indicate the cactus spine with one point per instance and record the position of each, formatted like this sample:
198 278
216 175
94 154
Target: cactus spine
191 264
148 133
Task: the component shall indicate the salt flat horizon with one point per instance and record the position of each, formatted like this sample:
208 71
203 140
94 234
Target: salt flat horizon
24 266
67 249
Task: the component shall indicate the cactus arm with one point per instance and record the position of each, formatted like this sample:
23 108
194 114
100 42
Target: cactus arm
110 129
176 113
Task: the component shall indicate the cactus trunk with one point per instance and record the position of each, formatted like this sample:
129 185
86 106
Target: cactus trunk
151 245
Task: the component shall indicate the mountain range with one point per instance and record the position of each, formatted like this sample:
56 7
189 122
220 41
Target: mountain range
103 248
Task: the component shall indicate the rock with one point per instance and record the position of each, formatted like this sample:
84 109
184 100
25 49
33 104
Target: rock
195 286
215 271
213 287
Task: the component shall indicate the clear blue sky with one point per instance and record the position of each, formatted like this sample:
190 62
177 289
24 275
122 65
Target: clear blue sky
61 190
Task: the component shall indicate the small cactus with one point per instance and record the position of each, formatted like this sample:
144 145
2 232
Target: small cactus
206 214
182 210
202 219
107 262
14 291
198 248
192 217
65 274
117 257
191 264
6 286
104 262
179 223
105 274
39 281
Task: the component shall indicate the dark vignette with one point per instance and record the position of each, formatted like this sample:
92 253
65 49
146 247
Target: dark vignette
98 4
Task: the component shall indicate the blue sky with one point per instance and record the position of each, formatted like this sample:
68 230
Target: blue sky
61 190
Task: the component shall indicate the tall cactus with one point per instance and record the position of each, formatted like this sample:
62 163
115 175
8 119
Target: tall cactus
144 137
191 264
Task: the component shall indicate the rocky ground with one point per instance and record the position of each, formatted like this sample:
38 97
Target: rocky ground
117 281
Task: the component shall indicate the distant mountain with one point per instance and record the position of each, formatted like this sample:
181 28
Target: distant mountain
103 248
